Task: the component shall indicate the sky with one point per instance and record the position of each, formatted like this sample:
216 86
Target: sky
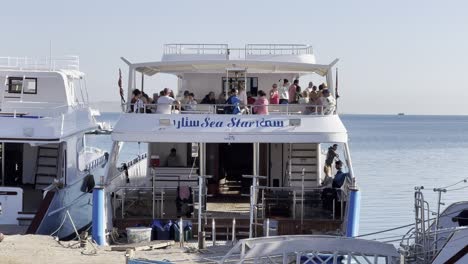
395 56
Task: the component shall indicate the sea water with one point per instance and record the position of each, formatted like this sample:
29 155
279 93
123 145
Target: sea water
390 155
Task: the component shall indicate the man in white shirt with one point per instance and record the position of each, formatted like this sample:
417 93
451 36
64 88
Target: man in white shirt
309 88
165 102
284 92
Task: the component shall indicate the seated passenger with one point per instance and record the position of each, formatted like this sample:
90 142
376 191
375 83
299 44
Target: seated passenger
139 106
233 103
173 159
191 104
149 103
136 94
328 103
165 102
209 99
261 105
340 176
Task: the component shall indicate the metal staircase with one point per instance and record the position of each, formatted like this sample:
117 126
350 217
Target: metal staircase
46 165
302 165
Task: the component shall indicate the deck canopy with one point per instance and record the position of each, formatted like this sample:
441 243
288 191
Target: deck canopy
218 66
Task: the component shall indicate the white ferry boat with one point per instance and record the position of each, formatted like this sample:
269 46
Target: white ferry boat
46 169
260 171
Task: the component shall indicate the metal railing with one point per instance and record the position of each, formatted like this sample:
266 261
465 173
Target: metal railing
277 49
237 53
51 64
272 109
203 49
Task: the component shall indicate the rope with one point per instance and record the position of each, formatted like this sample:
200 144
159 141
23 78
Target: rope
391 229
458 182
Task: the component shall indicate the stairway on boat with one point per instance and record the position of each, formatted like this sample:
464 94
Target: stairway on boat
46 165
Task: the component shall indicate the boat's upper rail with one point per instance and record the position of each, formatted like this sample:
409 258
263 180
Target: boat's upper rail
47 64
223 50
222 109
38 109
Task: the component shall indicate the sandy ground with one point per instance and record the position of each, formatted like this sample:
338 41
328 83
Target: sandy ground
44 249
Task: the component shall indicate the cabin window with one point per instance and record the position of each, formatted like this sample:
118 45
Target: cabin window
28 85
252 84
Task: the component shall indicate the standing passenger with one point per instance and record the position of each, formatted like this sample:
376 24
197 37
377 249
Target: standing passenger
331 155
309 88
261 105
292 91
274 96
165 102
284 92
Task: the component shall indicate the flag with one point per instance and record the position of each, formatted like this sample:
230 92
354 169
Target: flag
120 87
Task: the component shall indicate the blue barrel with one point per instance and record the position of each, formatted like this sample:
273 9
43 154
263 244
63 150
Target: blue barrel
354 210
98 228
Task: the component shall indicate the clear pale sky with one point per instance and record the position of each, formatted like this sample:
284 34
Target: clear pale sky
395 56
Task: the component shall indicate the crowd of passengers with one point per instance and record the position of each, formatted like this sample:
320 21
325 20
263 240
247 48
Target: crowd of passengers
315 100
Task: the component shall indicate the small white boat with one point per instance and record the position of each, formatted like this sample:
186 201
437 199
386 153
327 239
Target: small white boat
46 168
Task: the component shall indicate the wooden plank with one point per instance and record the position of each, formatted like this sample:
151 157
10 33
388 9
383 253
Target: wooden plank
144 245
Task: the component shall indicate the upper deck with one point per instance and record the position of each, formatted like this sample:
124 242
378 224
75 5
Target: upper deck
42 99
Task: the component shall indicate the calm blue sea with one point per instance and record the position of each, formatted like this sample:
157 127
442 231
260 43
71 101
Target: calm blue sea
391 155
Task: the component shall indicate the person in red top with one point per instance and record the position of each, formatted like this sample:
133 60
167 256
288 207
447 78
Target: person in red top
274 96
261 105
292 91
250 99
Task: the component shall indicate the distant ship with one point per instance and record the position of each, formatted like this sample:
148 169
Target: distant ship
401 114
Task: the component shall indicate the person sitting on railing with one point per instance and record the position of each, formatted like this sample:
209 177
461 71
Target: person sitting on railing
284 92
209 99
328 102
191 104
261 105
340 176
233 103
165 102
274 96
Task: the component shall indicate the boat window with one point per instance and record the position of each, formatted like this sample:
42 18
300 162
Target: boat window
252 84
28 85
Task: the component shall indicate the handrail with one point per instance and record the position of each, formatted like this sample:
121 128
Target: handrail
52 64
244 52
247 109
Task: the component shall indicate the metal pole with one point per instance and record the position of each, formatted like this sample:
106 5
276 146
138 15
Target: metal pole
3 163
252 190
268 227
98 222
302 197
181 232
142 81
233 231
213 231
153 193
